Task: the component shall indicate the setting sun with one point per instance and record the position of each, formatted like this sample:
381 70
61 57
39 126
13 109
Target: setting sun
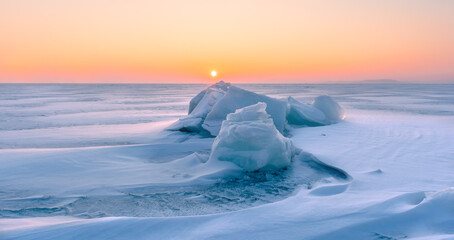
214 73
175 41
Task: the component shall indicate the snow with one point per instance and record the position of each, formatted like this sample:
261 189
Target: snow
76 164
425 214
250 139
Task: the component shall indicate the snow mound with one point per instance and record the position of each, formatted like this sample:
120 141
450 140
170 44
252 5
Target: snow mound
250 139
332 110
210 107
433 216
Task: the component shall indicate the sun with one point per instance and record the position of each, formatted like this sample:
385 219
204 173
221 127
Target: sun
214 73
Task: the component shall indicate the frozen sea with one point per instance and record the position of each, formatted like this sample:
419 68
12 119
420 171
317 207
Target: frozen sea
89 161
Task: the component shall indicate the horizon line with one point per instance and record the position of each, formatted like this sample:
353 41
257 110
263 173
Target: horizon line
206 83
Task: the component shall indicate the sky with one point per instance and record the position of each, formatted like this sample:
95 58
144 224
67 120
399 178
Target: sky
253 41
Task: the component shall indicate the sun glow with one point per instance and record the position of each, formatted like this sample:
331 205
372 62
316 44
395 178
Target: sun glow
157 42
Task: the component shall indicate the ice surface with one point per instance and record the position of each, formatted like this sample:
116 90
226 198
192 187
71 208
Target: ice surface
66 156
250 139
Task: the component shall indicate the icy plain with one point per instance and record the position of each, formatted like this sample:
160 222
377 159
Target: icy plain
94 162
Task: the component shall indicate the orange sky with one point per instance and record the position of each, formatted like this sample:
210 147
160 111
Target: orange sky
244 40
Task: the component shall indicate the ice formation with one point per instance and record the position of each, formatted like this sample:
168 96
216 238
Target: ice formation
209 95
210 107
237 98
323 111
199 107
250 139
304 114
332 110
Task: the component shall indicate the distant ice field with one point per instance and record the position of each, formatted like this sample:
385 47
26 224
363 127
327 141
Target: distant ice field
93 161
67 114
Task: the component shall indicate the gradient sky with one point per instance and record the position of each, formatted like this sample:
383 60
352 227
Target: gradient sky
171 41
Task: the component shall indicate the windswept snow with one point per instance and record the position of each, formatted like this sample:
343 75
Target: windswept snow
250 139
385 172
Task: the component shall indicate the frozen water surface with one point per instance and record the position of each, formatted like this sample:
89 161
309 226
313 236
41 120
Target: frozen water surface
93 162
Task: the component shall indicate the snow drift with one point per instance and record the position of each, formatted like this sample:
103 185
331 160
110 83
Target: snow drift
210 107
424 220
250 139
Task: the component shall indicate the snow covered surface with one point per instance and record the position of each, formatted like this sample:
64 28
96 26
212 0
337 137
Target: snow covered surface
91 162
249 139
